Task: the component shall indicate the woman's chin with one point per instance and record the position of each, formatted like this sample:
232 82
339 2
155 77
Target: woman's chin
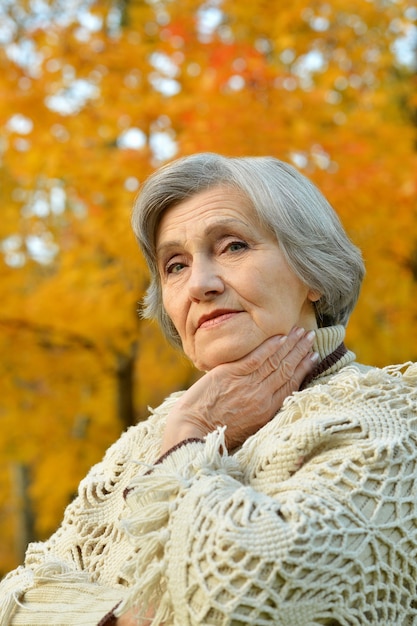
213 357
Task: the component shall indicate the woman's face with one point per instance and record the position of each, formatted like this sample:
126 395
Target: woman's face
225 282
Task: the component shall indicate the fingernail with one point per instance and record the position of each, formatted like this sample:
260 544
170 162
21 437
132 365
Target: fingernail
311 335
282 339
314 357
299 332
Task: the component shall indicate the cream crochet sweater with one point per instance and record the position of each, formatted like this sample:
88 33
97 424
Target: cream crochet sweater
312 521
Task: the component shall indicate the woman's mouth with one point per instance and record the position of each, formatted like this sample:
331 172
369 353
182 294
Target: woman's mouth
215 318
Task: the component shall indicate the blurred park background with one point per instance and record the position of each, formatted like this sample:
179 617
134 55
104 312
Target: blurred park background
94 95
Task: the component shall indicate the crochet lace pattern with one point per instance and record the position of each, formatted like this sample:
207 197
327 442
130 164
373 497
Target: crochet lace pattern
312 521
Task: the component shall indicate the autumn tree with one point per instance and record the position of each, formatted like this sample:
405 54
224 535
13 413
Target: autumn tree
94 96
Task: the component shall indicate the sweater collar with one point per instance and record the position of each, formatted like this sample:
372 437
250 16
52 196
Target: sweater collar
333 354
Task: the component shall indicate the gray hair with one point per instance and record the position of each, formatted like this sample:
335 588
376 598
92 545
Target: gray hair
307 228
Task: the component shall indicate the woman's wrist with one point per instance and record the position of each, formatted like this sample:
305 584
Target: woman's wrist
179 429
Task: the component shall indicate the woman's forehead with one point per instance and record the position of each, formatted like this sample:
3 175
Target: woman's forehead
206 210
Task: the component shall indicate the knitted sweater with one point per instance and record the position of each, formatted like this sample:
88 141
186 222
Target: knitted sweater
312 521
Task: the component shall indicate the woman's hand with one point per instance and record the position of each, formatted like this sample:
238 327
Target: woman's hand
245 394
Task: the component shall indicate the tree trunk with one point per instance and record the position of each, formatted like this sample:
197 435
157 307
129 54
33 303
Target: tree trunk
25 530
125 393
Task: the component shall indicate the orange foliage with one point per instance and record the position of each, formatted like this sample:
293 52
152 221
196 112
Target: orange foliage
314 83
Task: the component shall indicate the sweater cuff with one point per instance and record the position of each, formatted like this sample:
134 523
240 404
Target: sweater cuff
191 456
177 447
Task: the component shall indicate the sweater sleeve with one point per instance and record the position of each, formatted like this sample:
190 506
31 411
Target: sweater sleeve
259 539
74 576
58 598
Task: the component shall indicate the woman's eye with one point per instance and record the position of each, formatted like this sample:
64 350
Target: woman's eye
174 268
235 246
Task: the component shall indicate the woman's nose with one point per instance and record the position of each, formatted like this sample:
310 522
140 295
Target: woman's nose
205 281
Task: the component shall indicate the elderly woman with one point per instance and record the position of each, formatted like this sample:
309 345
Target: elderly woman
281 487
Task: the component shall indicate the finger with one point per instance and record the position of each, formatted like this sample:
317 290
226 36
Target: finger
253 361
293 382
306 366
291 352
299 340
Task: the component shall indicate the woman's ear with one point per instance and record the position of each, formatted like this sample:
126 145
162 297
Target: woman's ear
314 295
